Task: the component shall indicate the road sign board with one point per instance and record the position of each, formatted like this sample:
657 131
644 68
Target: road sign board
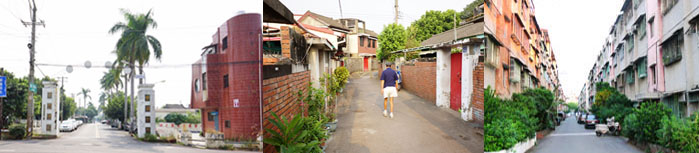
32 87
3 86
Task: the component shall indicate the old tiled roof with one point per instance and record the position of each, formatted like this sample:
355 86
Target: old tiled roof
327 20
371 33
467 30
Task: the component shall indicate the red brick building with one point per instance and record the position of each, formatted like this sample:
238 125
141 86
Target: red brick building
226 81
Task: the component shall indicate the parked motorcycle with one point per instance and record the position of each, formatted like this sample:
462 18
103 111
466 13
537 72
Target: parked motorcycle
611 127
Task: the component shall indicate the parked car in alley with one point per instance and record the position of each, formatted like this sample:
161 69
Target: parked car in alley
591 121
581 118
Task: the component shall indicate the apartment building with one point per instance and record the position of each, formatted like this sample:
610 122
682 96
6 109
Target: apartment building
518 52
651 55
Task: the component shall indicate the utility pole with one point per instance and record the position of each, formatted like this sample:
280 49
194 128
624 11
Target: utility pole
32 45
2 119
339 2
395 20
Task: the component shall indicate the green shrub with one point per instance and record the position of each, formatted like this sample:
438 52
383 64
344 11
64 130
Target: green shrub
508 122
645 122
290 136
679 134
150 138
341 75
17 131
610 103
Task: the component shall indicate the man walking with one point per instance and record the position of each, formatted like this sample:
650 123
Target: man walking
389 79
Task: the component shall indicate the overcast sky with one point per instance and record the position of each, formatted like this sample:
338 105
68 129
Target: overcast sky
577 30
376 13
77 31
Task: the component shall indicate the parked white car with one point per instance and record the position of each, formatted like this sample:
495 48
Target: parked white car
67 125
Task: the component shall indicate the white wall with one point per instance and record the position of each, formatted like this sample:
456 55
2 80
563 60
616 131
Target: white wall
443 77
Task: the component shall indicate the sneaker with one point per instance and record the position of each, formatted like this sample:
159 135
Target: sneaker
385 113
391 114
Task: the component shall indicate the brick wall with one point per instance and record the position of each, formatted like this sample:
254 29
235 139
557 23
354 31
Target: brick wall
280 96
420 79
478 91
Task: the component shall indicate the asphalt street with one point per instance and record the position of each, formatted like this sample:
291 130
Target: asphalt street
571 137
95 137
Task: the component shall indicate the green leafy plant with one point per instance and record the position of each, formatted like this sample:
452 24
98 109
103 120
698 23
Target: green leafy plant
341 75
508 122
150 138
17 131
290 135
645 121
679 134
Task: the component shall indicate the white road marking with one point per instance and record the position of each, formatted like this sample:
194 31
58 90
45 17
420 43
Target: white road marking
573 134
97 131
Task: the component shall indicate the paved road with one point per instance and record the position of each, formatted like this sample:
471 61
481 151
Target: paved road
95 137
418 125
572 137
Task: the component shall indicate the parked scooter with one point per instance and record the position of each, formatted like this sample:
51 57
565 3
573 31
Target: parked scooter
611 127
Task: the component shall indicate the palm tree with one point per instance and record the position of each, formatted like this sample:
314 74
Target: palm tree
134 44
111 80
85 93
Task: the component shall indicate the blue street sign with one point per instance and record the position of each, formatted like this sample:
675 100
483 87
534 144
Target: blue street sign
32 87
3 86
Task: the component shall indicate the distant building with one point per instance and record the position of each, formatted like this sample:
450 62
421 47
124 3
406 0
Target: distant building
173 108
518 53
226 81
651 54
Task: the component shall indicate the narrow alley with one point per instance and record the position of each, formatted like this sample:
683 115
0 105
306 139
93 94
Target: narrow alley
417 126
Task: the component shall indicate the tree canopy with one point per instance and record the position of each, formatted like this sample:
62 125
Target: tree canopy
431 23
392 38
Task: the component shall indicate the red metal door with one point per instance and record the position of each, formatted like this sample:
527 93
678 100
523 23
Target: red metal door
366 64
455 98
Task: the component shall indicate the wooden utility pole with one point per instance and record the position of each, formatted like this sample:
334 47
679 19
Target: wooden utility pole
32 45
395 20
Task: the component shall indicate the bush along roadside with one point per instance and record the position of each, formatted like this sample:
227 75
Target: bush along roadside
652 123
508 122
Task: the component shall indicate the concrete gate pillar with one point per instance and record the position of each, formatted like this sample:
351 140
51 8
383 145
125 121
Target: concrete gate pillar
146 110
443 77
50 106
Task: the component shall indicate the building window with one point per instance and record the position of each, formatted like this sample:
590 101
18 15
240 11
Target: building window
49 95
636 3
147 108
49 106
629 42
672 48
196 85
361 41
641 27
492 53
147 119
630 76
224 43
650 26
667 5
652 73
642 68
48 116
147 97
373 43
203 81
48 127
147 130
228 124
515 74
225 81
210 116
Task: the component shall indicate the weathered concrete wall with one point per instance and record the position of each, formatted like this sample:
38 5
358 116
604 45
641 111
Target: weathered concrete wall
354 64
